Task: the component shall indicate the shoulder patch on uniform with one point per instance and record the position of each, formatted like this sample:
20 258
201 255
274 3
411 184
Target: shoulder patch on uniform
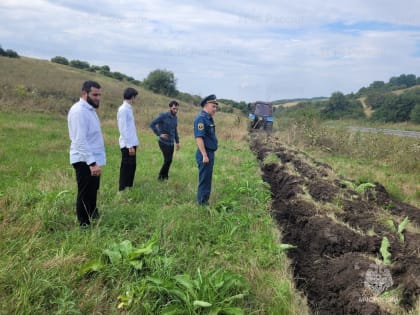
200 126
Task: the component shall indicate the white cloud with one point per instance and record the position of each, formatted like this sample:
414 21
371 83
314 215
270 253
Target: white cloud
244 50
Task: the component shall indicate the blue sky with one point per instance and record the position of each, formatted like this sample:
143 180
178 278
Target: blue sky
241 50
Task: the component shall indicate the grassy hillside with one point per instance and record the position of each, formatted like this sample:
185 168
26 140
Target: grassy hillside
228 255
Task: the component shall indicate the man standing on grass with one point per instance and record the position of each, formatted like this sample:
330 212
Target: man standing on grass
128 139
87 150
205 137
166 128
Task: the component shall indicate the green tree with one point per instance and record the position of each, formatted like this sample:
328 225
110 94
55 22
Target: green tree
60 60
377 85
162 82
79 64
118 75
404 80
375 99
335 106
415 114
94 68
11 53
396 108
339 106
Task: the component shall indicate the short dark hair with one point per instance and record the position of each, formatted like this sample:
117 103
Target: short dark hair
172 103
129 93
88 85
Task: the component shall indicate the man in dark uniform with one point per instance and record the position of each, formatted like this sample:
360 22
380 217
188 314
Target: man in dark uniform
205 136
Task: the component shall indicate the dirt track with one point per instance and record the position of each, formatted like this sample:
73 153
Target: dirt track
338 234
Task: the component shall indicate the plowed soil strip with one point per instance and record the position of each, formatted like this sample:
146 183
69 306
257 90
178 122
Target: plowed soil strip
338 233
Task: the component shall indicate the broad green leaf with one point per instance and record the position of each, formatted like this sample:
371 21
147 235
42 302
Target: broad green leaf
125 248
186 282
137 252
91 267
136 264
284 247
180 295
201 303
384 251
363 187
234 297
348 184
154 280
403 225
391 225
125 300
114 256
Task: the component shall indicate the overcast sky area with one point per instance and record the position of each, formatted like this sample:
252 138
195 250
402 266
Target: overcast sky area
241 50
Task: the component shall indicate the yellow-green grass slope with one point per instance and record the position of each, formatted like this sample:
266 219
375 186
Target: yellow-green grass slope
225 257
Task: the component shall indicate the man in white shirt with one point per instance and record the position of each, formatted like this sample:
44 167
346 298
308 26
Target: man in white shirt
87 150
128 139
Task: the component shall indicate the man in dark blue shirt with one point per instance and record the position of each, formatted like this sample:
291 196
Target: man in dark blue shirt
205 137
166 128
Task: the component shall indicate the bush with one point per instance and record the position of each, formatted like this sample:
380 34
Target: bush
415 114
79 64
339 106
118 75
8 53
60 60
162 82
395 108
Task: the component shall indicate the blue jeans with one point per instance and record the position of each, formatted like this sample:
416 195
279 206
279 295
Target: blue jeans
205 174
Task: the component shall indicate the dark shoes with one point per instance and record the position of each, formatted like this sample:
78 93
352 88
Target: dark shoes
95 216
84 226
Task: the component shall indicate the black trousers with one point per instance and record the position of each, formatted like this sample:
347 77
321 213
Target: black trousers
127 169
87 190
168 152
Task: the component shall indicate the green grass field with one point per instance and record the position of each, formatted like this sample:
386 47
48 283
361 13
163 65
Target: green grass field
153 251
44 251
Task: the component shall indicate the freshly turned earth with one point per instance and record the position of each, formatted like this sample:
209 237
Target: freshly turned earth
338 234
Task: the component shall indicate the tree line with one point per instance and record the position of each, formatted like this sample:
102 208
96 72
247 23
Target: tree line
380 96
8 53
387 104
159 81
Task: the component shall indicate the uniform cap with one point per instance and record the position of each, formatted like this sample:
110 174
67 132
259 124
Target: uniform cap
209 99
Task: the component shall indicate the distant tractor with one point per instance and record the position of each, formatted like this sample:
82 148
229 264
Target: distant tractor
261 116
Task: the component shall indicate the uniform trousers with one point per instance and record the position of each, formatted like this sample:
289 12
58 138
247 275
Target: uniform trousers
205 174
127 169
87 189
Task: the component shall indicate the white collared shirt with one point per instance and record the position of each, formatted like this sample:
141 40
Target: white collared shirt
87 143
127 126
